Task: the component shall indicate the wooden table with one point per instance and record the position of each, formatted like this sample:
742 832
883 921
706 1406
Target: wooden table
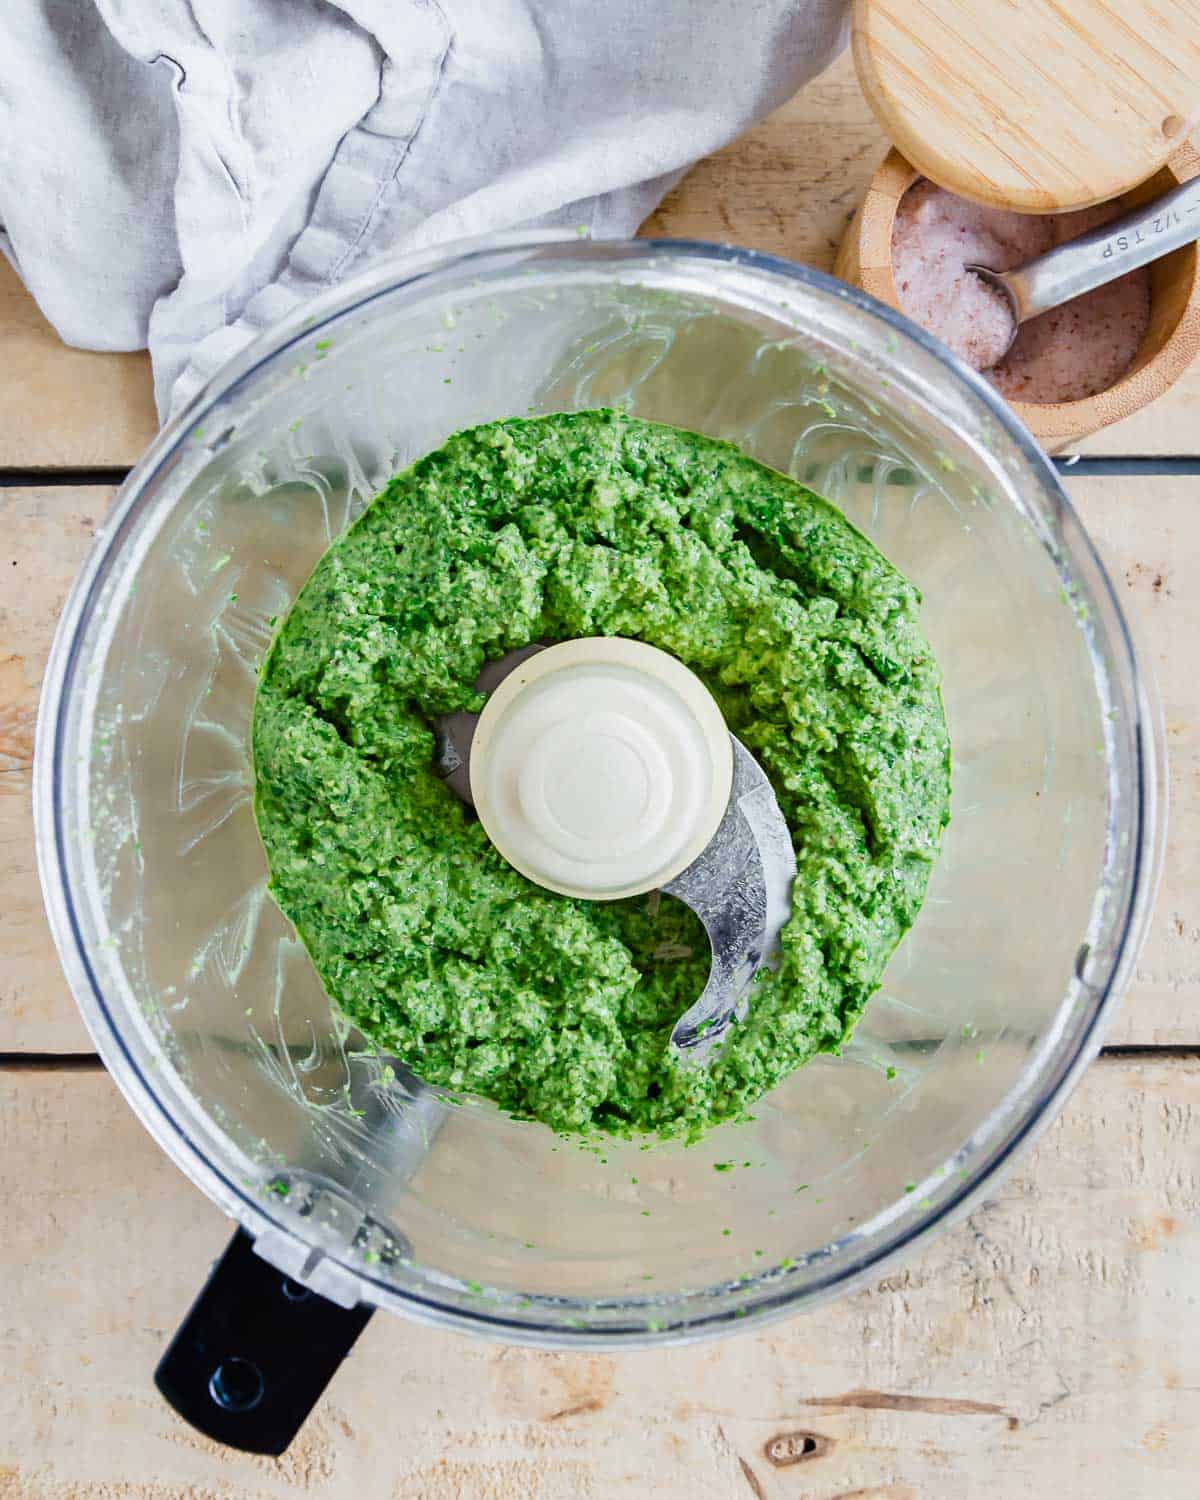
1049 1345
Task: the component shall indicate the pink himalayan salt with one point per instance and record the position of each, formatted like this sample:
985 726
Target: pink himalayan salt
1068 353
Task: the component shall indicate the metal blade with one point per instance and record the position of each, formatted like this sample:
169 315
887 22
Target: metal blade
740 886
741 889
455 732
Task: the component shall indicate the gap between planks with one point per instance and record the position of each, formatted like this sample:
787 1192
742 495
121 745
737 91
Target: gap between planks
50 1062
91 1062
1072 467
22 479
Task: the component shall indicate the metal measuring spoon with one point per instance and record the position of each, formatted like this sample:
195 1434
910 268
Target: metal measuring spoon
740 885
1097 257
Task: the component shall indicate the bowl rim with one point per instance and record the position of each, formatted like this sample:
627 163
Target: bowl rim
768 1302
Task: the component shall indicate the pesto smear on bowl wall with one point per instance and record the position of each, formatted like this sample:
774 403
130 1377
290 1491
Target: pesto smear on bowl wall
593 523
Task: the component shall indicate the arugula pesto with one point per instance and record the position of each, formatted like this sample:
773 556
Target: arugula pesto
594 523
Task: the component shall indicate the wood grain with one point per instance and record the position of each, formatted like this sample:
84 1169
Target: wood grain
789 187
1149 534
47 533
1045 1346
1037 106
65 408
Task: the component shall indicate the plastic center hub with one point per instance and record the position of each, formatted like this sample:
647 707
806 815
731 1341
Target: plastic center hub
592 789
601 767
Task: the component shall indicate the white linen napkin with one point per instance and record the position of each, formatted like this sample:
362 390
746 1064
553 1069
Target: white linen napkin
180 173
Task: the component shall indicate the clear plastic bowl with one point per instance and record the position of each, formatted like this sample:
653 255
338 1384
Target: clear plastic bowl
206 1009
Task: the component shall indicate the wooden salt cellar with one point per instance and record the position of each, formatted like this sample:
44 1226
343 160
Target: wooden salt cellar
1038 108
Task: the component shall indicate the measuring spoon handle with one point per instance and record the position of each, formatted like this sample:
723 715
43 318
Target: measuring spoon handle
1103 254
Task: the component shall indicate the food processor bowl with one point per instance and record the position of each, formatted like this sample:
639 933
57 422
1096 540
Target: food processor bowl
348 1175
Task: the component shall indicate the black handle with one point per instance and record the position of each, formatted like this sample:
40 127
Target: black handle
255 1352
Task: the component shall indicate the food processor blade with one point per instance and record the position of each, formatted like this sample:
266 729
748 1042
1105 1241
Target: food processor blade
740 886
741 889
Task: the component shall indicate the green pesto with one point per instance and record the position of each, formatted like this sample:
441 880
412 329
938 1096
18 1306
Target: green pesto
594 523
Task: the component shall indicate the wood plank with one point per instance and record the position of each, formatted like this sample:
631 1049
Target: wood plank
789 186
47 533
1148 530
66 408
1048 1345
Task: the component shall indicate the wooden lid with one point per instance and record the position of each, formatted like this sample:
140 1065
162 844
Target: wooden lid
1032 104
